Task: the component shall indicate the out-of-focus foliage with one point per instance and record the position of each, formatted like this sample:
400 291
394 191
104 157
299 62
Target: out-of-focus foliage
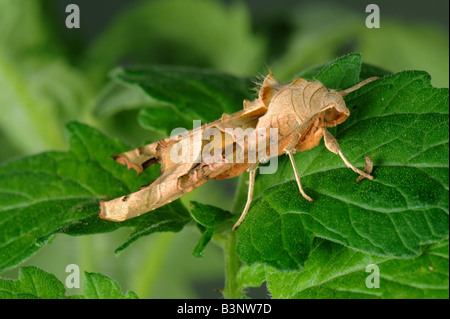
320 33
43 86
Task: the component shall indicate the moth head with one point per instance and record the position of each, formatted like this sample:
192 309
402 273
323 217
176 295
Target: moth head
335 110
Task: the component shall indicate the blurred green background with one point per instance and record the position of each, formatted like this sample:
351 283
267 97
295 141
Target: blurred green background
50 75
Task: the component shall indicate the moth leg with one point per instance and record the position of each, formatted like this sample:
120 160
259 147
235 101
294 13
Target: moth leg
357 86
332 145
297 177
367 168
251 186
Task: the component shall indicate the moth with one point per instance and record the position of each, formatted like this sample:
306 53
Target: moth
299 111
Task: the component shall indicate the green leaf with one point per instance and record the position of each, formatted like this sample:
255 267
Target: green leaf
55 192
401 122
333 271
339 74
252 276
163 119
119 96
368 70
172 217
199 249
348 68
209 216
34 283
185 94
98 286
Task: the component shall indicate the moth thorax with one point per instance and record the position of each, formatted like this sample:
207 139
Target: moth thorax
336 111
308 101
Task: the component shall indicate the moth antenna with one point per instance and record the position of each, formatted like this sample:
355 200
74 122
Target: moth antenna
357 86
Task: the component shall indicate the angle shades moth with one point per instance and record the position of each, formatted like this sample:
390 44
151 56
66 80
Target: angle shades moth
300 112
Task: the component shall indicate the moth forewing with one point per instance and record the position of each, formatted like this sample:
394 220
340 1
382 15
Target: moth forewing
299 112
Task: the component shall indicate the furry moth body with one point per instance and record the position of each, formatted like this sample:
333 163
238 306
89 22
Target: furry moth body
301 111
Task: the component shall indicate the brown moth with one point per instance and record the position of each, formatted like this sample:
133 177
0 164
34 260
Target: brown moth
301 111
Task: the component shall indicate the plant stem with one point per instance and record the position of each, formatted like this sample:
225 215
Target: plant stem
232 289
227 240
